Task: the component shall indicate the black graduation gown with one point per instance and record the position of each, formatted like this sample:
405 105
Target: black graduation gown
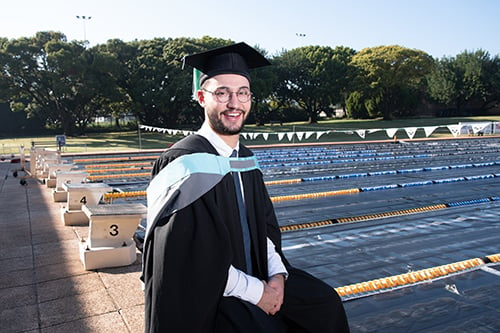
187 254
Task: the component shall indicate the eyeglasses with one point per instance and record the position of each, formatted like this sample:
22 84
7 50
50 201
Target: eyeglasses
222 95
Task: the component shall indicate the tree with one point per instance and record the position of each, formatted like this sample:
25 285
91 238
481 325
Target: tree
469 80
54 80
314 77
393 78
140 75
355 105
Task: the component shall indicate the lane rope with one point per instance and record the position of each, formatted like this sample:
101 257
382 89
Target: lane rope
394 282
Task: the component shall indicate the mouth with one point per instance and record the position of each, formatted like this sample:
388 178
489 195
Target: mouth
233 115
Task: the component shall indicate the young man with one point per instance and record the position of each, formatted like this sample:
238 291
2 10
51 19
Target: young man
212 253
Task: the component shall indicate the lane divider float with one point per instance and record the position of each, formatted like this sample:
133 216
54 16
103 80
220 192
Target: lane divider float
386 284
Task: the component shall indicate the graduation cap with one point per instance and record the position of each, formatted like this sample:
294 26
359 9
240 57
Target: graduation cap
233 59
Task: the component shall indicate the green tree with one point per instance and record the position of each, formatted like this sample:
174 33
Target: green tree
392 79
143 77
471 80
314 77
355 105
54 80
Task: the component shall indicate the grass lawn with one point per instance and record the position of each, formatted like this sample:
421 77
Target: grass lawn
130 140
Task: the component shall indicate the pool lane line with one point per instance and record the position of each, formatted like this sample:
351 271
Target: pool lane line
412 278
375 216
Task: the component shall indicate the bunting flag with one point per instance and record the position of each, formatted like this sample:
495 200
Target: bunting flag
319 134
300 135
410 131
391 132
290 135
454 129
429 130
280 136
361 133
480 127
265 136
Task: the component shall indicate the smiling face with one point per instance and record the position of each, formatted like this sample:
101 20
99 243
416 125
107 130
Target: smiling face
226 119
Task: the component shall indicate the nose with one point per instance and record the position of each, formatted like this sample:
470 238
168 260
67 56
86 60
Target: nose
233 99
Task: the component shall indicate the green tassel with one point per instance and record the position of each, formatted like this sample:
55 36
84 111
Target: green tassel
196 83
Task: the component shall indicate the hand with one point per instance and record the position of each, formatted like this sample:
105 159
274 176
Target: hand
272 297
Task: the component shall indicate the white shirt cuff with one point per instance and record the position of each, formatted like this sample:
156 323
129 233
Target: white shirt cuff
243 286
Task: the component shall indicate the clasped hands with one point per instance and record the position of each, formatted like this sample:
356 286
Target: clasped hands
272 297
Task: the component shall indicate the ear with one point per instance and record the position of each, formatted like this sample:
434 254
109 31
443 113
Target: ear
201 98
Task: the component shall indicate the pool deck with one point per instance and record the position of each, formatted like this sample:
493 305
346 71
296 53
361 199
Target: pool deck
43 285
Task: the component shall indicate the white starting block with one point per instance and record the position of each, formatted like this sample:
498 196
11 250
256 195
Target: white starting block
51 180
78 196
111 228
46 162
67 177
38 158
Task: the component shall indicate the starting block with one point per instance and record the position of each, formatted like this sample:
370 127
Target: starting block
46 163
39 157
78 196
51 180
111 228
70 177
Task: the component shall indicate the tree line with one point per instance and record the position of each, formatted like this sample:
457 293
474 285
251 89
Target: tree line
67 84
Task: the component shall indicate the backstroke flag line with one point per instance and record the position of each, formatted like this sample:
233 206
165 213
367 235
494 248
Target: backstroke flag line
455 130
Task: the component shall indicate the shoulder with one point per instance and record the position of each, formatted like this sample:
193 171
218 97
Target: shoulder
191 144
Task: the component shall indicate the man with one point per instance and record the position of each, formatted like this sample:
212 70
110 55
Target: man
212 251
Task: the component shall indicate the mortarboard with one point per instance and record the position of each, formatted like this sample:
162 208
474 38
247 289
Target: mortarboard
233 59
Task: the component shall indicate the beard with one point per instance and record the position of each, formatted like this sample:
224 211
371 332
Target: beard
219 127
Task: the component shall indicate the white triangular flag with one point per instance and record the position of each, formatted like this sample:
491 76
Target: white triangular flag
361 133
391 132
429 130
319 134
410 131
454 129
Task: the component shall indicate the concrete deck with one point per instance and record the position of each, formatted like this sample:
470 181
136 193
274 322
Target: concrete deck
43 286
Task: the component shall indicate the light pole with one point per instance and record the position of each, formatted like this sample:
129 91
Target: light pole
84 18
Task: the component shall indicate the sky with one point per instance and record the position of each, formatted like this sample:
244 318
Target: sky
442 28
